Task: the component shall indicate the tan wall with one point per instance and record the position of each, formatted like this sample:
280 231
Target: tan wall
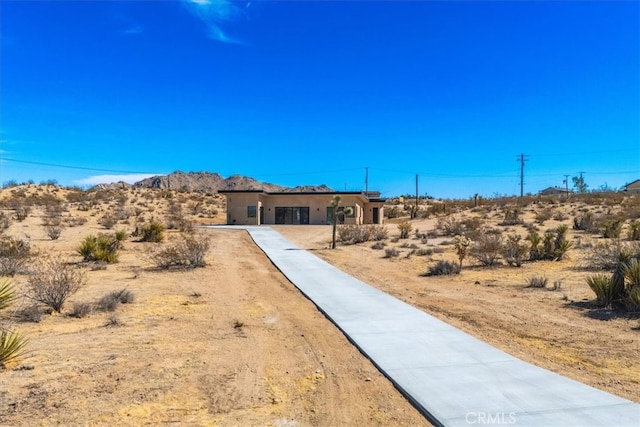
237 204
634 187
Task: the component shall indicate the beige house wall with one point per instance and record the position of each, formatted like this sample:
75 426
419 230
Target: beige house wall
238 207
633 187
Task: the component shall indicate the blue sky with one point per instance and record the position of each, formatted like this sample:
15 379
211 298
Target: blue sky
314 92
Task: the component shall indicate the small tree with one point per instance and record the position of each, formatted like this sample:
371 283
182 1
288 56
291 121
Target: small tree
579 184
405 229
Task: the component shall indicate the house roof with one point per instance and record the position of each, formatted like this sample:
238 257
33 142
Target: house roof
637 181
306 193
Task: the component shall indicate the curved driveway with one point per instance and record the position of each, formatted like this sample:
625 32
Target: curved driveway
451 377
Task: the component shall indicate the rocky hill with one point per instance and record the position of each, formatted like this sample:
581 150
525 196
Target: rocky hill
207 182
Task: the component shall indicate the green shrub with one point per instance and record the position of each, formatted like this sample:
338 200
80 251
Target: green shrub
378 245
632 273
611 228
99 248
12 344
632 299
602 286
152 232
443 268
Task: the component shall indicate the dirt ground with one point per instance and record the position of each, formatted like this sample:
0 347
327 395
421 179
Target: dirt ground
235 344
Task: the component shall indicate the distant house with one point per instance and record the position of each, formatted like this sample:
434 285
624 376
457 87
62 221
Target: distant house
555 191
632 187
254 207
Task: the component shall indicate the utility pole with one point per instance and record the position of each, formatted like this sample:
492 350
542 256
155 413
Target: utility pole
522 159
566 185
366 181
417 197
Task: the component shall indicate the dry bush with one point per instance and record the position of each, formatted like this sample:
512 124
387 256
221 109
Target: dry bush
405 229
53 281
536 282
353 234
14 255
53 231
443 268
188 252
152 232
633 233
514 252
487 249
391 253
81 309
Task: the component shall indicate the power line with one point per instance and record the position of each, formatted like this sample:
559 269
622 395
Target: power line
72 167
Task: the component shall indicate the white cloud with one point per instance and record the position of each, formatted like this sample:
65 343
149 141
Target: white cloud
216 13
108 179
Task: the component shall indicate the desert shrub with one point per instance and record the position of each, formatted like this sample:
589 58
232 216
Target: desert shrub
543 215
108 221
633 233
113 321
632 299
450 226
407 245
405 229
607 255
378 232
81 309
424 252
74 221
99 248
30 313
53 281
537 282
512 217
535 252
53 231
14 255
353 233
560 245
108 302
5 221
443 268
12 344
602 286
378 245
514 252
487 249
585 222
559 216
187 252
152 232
391 253
611 228
20 213
631 271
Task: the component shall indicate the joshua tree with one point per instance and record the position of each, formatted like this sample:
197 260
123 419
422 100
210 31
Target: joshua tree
335 202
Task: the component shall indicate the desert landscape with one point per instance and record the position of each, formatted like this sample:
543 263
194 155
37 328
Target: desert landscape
224 339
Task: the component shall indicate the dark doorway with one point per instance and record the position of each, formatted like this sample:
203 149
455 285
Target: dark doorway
376 215
292 215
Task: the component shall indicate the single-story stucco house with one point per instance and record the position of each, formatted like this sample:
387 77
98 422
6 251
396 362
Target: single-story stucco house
632 187
254 207
555 191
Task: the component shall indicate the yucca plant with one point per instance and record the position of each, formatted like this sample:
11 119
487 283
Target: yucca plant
7 294
12 346
602 285
632 273
632 299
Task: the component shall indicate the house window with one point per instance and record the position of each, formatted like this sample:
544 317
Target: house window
251 211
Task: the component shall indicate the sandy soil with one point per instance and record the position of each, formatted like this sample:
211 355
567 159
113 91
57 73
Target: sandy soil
235 343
